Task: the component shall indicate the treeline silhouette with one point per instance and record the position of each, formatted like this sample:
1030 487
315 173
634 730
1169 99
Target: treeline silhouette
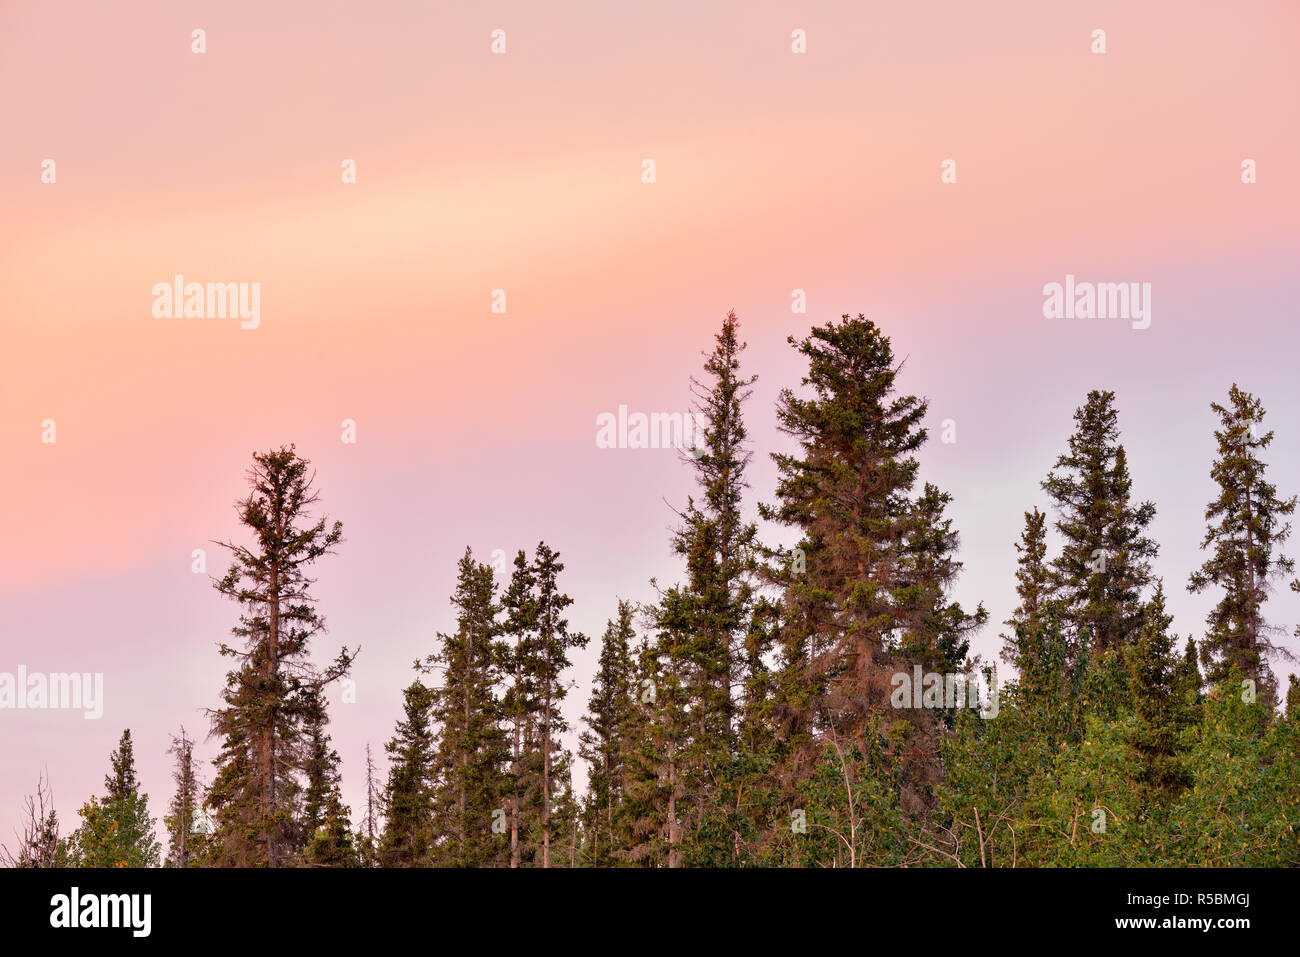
751 714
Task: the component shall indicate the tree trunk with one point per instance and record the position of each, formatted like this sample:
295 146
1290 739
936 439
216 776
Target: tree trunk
518 747
546 780
464 749
268 732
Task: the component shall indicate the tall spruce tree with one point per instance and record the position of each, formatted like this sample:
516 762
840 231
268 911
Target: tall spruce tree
266 698
470 767
1246 530
717 545
847 493
714 538
544 669
871 562
1104 565
520 709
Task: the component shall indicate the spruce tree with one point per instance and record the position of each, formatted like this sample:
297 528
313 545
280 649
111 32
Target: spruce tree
267 696
755 730
653 788
847 492
183 818
1047 684
1047 693
748 791
715 539
333 844
1188 677
1161 709
470 768
408 796
367 836
116 832
935 630
676 740
544 669
1104 566
1295 586
566 812
865 589
1032 586
520 709
1246 529
604 744
322 800
717 545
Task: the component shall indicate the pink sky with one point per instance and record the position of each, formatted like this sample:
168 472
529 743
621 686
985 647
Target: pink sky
475 171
